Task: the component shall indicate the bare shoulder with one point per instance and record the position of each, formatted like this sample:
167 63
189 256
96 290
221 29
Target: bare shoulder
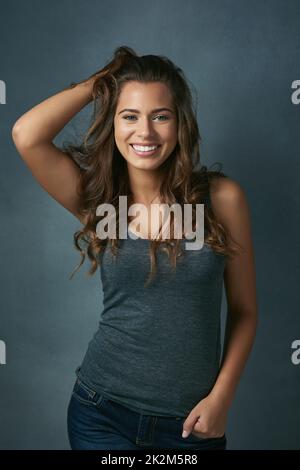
226 193
225 190
229 201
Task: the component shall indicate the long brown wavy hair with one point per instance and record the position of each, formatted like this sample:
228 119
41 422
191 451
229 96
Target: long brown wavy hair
103 170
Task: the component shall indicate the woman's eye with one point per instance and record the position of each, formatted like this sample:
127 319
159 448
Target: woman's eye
160 115
163 116
130 116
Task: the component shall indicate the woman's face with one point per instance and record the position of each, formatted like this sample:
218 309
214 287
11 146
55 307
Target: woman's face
145 115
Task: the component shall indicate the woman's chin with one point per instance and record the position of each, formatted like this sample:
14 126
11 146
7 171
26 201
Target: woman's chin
144 164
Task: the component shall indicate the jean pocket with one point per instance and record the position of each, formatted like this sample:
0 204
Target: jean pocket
86 395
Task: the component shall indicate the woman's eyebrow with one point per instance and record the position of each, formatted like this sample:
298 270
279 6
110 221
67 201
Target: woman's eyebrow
157 110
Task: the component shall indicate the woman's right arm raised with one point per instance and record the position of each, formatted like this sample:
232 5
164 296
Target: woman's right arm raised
33 133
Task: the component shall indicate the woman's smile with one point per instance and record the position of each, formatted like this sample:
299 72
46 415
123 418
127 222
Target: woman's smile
145 151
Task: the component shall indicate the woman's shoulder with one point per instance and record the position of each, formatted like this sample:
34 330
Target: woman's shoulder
220 187
226 194
228 201
223 194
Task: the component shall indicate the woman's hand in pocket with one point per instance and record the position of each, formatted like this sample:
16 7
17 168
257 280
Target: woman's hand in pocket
207 419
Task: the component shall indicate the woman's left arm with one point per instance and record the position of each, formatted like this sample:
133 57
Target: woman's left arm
229 204
231 209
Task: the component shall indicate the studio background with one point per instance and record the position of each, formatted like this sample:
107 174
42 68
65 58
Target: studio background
242 58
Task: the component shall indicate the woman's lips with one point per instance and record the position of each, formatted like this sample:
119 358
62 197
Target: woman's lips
145 154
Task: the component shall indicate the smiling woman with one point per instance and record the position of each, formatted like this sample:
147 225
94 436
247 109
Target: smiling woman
144 135
142 102
153 368
146 148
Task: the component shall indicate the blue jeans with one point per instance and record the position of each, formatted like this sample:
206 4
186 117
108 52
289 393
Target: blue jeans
96 422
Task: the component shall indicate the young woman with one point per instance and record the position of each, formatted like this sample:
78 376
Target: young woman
153 376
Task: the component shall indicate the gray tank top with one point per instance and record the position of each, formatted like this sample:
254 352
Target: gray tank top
157 349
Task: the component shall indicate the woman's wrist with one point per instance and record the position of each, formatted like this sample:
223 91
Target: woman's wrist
88 87
223 392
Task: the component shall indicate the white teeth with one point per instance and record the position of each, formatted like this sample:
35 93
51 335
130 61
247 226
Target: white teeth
144 148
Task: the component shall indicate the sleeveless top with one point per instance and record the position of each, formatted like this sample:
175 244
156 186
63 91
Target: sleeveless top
157 349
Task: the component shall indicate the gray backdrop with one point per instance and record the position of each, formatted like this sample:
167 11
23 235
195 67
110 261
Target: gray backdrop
242 57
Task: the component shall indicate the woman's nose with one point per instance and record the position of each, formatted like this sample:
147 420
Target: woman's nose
145 127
